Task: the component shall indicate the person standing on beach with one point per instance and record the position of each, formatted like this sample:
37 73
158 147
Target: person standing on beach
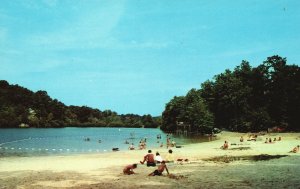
128 170
160 169
149 158
168 142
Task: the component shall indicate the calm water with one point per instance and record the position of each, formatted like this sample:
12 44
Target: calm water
70 140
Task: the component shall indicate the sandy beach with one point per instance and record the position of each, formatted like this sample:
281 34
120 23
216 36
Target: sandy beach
208 167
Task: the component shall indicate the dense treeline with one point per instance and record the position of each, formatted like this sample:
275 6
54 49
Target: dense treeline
20 107
245 99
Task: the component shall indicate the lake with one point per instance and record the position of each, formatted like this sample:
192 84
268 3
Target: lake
70 140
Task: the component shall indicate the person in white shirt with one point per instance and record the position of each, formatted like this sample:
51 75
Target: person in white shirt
158 158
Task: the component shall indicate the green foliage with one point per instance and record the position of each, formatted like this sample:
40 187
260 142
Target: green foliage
245 99
20 107
191 110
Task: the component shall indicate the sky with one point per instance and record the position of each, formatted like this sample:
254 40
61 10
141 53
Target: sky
134 56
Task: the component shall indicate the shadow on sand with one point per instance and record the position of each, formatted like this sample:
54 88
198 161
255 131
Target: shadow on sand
228 159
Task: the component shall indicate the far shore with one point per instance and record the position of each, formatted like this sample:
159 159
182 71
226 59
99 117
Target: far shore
205 167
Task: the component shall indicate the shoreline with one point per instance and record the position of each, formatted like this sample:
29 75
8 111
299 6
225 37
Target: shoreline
104 170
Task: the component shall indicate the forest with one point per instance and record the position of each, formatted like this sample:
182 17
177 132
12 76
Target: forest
246 99
20 107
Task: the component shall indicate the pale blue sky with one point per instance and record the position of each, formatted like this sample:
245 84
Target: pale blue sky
134 56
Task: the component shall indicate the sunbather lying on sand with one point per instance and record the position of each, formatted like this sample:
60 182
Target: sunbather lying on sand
181 160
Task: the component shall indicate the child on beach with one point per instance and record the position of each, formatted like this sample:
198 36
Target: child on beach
149 158
160 169
128 170
241 139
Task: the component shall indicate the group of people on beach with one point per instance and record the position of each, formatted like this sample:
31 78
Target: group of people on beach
143 143
170 143
152 161
269 140
253 137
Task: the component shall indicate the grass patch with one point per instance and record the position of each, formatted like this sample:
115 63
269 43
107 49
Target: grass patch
228 159
240 148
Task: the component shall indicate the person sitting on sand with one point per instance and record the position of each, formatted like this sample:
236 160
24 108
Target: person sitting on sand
270 140
274 140
296 149
158 158
279 138
225 145
160 169
128 170
241 139
149 158
131 147
169 157
266 140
